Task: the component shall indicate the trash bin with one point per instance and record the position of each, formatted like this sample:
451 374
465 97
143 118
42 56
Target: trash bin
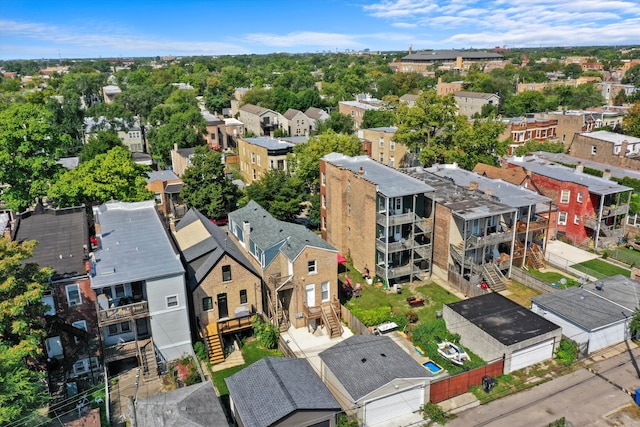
488 383
638 396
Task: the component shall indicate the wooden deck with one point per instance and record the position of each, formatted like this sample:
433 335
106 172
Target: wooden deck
231 325
124 350
121 314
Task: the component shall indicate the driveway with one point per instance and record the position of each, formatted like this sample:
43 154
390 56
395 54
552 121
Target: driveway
586 397
563 254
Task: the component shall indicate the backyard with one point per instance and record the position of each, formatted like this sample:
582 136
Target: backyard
600 269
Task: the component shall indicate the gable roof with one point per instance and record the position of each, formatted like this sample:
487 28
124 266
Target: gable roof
503 319
255 109
316 113
273 236
134 244
291 113
203 244
163 175
62 235
364 363
409 97
193 406
591 308
274 387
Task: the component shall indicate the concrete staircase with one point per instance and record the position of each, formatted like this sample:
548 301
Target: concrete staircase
214 346
331 321
148 359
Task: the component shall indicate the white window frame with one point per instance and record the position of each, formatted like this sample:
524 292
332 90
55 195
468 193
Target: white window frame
312 267
579 197
80 324
86 366
323 179
594 150
75 302
565 196
562 218
576 219
381 142
392 145
171 304
325 288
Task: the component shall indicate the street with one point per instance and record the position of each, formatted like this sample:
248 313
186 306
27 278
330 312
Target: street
585 397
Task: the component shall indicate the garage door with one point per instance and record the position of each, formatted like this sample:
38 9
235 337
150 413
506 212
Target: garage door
531 355
389 408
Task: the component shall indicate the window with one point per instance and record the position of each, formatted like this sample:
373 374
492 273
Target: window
392 145
119 291
579 198
172 301
381 158
119 328
84 366
73 295
325 291
243 296
226 273
80 324
562 218
324 201
259 161
348 209
323 178
158 198
392 161
348 185
253 157
576 219
324 222
381 142
48 300
594 150
564 197
207 303
312 268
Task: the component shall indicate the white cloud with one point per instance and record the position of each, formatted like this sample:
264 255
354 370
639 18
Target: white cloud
303 38
404 25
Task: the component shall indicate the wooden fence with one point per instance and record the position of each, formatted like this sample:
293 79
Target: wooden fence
455 385
469 289
353 322
529 281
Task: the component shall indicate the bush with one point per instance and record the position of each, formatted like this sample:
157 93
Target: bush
200 350
374 316
434 413
265 332
567 352
412 316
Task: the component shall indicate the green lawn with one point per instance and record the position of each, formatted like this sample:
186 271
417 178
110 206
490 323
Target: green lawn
600 269
626 255
252 351
553 277
521 294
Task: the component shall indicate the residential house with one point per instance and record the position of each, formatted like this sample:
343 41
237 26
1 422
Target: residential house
256 156
378 216
295 123
409 99
180 159
234 129
196 405
109 93
216 136
357 108
571 122
541 87
131 135
595 315
445 88
473 233
522 129
427 61
531 216
610 91
607 147
471 103
298 268
375 380
494 327
140 285
166 186
591 210
225 290
71 346
259 121
316 115
384 149
290 394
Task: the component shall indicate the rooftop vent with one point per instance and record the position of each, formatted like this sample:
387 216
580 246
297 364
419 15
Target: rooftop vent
364 359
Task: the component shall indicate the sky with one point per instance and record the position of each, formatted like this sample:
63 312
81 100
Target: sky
102 29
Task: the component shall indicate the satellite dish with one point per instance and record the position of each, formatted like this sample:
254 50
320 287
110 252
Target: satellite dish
563 281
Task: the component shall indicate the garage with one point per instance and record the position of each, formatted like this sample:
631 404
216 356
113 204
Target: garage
390 408
531 355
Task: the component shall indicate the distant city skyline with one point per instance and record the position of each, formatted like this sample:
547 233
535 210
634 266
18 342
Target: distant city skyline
74 29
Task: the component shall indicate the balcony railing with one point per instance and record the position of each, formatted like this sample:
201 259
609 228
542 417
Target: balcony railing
539 223
399 219
123 313
614 210
489 239
123 350
383 246
231 325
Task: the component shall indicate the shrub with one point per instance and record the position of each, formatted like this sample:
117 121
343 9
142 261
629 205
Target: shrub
606 254
434 413
200 350
412 316
344 421
374 316
567 352
265 332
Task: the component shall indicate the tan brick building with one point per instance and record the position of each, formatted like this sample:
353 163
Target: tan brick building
376 215
607 147
383 147
470 103
256 156
216 136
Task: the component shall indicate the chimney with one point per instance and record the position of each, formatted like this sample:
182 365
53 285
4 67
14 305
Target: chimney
410 49
246 232
361 170
606 174
489 191
623 148
473 185
579 167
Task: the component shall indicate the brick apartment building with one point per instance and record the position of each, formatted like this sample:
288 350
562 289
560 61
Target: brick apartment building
607 147
256 156
522 129
383 147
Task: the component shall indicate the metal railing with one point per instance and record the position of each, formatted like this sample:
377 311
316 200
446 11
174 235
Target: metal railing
122 313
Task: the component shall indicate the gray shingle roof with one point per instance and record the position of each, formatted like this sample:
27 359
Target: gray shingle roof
291 113
164 175
254 109
134 244
270 143
273 388
363 364
202 257
193 406
591 308
616 171
273 236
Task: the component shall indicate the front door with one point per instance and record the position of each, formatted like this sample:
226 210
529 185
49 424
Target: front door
223 310
311 295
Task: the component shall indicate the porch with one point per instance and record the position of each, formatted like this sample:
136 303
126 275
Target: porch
124 350
123 313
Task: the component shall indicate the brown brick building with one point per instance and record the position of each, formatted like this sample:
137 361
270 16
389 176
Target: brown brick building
607 147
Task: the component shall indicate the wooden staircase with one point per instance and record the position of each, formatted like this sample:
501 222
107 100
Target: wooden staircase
535 259
331 321
148 360
494 278
282 319
214 345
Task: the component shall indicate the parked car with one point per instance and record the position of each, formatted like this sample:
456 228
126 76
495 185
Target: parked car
221 220
633 245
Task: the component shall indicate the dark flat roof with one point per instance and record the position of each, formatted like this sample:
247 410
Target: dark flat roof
503 319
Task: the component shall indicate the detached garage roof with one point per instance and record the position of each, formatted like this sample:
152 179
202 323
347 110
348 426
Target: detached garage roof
363 364
503 319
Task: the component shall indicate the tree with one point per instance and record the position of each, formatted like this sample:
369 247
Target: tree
22 286
572 71
634 326
533 146
529 101
109 176
206 186
100 143
278 193
631 121
632 76
305 161
377 119
184 129
478 143
28 154
427 127
338 123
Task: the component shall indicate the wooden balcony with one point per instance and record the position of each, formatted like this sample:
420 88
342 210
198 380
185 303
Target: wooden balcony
614 210
123 313
124 350
489 239
538 224
314 313
231 325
